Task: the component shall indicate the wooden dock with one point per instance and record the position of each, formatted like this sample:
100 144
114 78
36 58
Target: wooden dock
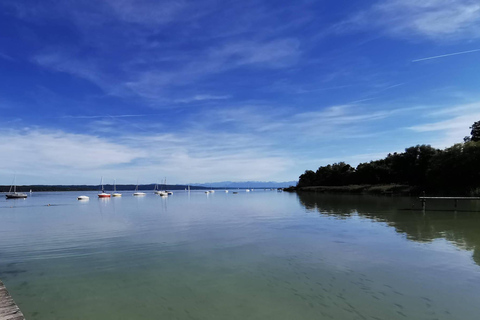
8 309
455 199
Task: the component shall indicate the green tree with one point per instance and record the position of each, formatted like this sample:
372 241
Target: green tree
307 179
475 133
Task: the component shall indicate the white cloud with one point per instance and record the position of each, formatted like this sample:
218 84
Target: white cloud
41 156
434 19
201 97
452 122
56 155
277 53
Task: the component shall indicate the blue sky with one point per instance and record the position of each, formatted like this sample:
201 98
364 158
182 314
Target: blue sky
204 91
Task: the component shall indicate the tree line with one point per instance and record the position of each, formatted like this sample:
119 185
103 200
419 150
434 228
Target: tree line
453 170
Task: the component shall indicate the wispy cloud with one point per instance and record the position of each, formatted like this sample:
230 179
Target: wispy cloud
94 13
82 68
435 19
6 57
273 54
446 55
202 97
452 122
193 155
108 116
146 12
60 149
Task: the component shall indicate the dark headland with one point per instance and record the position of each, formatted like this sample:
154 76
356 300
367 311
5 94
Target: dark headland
419 170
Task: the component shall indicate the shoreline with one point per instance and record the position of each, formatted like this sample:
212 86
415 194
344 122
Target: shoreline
395 189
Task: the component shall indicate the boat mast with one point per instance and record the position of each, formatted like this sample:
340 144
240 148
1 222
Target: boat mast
14 185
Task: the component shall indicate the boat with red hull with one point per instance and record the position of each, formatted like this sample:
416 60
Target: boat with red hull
103 194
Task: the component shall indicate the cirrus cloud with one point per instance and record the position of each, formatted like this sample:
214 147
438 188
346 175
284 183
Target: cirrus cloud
433 19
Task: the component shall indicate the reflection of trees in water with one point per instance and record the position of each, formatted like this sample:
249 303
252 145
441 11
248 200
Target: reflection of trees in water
440 221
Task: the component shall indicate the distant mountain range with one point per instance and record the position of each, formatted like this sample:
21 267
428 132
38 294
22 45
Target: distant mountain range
247 184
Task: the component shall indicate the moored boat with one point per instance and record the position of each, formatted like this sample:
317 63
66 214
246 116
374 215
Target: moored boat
83 198
103 194
158 191
115 193
14 194
138 193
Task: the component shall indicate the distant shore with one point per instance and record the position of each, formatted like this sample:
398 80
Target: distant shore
360 189
107 187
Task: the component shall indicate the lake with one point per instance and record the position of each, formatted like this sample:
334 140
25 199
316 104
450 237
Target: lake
255 255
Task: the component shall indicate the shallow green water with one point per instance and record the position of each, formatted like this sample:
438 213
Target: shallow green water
257 255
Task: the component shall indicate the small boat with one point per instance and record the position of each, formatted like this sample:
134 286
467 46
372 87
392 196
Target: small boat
156 190
165 187
103 194
207 192
138 193
235 192
226 191
211 191
162 194
115 193
83 198
15 194
248 190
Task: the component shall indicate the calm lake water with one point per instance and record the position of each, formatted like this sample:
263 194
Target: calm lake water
257 255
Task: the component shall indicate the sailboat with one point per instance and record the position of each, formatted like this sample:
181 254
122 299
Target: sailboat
15 194
103 194
159 192
115 193
138 193
165 184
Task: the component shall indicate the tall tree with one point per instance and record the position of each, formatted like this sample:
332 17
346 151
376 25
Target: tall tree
475 133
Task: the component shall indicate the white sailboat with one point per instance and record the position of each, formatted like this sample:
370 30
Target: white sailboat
138 193
115 193
160 192
165 184
15 194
